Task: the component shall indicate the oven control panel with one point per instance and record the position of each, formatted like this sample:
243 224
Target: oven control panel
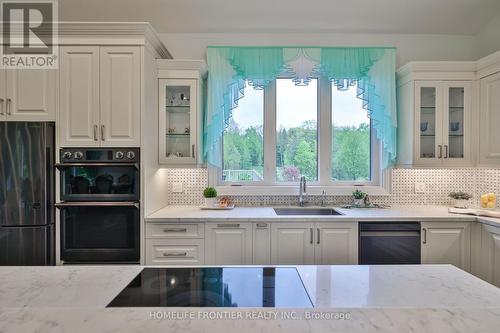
97 155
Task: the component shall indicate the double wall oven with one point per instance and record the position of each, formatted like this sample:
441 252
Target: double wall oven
100 196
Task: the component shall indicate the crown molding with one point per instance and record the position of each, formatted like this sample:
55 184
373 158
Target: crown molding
112 33
488 65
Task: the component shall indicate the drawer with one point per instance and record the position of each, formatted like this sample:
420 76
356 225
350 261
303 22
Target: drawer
175 252
175 230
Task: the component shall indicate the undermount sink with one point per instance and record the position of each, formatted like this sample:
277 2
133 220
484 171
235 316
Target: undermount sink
306 211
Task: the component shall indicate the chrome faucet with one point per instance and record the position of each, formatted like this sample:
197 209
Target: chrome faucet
302 190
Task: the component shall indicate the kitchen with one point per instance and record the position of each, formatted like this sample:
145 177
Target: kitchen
342 175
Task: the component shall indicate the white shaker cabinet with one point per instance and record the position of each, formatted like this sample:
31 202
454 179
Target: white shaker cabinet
336 244
435 114
490 254
100 96
489 121
120 100
437 131
446 243
261 243
180 112
292 243
79 96
28 94
228 244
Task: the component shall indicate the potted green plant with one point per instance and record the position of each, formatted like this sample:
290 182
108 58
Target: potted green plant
358 196
461 199
210 195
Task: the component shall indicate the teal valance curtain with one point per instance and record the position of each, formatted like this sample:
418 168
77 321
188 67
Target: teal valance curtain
372 68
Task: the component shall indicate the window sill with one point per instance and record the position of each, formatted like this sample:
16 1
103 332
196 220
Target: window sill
249 190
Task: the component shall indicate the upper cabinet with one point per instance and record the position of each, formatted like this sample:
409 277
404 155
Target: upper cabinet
100 96
180 104
28 95
435 114
442 123
120 95
489 120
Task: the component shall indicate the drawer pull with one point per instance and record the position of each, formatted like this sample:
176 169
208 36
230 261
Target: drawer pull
174 254
262 225
233 225
175 230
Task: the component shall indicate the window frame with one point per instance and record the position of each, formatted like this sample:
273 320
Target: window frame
380 178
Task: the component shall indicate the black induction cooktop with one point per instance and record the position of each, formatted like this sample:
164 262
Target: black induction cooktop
215 287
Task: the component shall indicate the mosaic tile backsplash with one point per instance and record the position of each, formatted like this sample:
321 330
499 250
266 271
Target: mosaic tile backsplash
439 183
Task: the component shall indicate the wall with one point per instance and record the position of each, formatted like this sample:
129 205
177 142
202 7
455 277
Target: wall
439 183
410 47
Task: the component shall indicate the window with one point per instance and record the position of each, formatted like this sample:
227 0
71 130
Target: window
285 131
351 133
243 140
296 130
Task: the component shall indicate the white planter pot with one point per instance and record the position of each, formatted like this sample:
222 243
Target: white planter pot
210 202
358 202
461 203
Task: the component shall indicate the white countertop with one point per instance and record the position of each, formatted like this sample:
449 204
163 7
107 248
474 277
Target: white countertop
438 298
256 214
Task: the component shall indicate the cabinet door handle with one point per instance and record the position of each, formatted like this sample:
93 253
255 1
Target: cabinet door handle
311 232
224 225
175 230
318 232
174 254
1 106
445 151
424 239
95 133
102 133
440 151
192 151
8 106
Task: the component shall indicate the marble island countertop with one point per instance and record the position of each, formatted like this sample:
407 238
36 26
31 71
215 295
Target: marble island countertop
416 298
257 214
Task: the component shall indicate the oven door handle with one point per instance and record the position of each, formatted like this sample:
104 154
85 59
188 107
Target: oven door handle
97 204
69 165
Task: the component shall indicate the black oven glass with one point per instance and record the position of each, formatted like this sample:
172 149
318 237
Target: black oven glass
99 183
100 233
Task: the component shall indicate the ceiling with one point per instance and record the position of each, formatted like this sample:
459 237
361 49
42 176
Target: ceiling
461 17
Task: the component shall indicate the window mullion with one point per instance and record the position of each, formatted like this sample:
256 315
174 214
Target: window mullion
270 134
325 132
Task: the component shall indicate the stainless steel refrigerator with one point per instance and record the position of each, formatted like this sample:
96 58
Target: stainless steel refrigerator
27 213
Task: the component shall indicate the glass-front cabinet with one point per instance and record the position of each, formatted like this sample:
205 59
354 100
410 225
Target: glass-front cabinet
179 114
442 126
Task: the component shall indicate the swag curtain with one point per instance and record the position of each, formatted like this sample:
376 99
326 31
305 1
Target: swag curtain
372 68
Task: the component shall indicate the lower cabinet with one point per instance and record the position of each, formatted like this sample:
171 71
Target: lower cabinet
175 252
490 254
446 243
261 243
175 243
292 243
309 243
228 244
336 244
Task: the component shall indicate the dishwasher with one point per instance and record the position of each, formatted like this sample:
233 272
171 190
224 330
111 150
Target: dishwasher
389 243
